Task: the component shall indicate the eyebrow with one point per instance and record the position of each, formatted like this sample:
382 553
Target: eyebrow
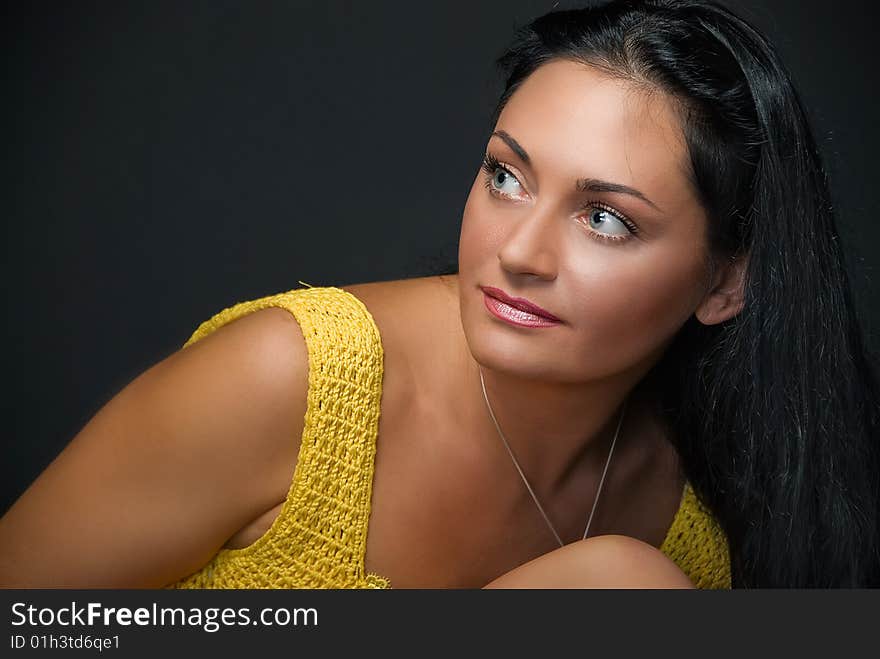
582 184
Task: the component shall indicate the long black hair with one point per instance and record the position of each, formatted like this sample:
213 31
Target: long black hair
774 413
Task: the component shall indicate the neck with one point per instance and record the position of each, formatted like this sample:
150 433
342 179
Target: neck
549 426
552 427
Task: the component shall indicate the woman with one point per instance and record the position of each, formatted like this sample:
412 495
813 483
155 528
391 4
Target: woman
646 372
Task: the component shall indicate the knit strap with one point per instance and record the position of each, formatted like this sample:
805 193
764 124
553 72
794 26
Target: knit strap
696 542
321 531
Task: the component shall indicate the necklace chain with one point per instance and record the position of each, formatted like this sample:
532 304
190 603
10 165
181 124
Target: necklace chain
526 481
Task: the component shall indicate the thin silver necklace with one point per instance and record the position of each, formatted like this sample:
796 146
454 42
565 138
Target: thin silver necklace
526 481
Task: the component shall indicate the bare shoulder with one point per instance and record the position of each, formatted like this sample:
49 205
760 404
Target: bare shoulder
203 441
393 305
407 311
261 359
381 297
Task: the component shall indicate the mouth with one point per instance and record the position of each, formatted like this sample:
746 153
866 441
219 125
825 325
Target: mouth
530 309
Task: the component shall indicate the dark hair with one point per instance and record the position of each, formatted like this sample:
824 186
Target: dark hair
774 413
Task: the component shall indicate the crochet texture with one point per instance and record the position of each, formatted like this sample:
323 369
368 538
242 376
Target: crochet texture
319 538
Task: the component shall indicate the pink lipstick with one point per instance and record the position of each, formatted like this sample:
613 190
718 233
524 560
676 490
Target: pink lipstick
516 310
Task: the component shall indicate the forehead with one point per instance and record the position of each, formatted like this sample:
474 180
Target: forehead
574 118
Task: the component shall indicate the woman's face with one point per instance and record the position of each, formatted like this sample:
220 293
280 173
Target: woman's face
622 271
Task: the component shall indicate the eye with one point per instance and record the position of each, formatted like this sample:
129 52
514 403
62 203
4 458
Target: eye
605 223
602 221
499 176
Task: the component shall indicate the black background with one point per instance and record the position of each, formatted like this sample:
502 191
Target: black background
165 160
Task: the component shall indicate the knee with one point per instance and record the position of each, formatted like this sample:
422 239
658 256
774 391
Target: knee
619 561
607 561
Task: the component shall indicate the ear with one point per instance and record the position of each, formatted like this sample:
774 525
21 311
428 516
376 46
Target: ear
725 296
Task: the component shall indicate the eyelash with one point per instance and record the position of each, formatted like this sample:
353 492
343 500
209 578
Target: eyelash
491 164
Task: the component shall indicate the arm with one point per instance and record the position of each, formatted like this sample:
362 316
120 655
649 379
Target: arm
605 561
173 465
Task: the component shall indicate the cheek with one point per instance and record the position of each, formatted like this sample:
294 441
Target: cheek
632 302
477 236
639 308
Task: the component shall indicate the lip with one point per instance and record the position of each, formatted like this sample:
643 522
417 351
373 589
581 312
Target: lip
519 303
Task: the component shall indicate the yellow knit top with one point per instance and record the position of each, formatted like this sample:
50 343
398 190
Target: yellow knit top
319 538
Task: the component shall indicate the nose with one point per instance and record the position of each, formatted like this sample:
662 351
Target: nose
531 246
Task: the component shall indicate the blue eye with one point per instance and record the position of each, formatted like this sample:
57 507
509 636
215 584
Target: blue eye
498 174
501 177
597 210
